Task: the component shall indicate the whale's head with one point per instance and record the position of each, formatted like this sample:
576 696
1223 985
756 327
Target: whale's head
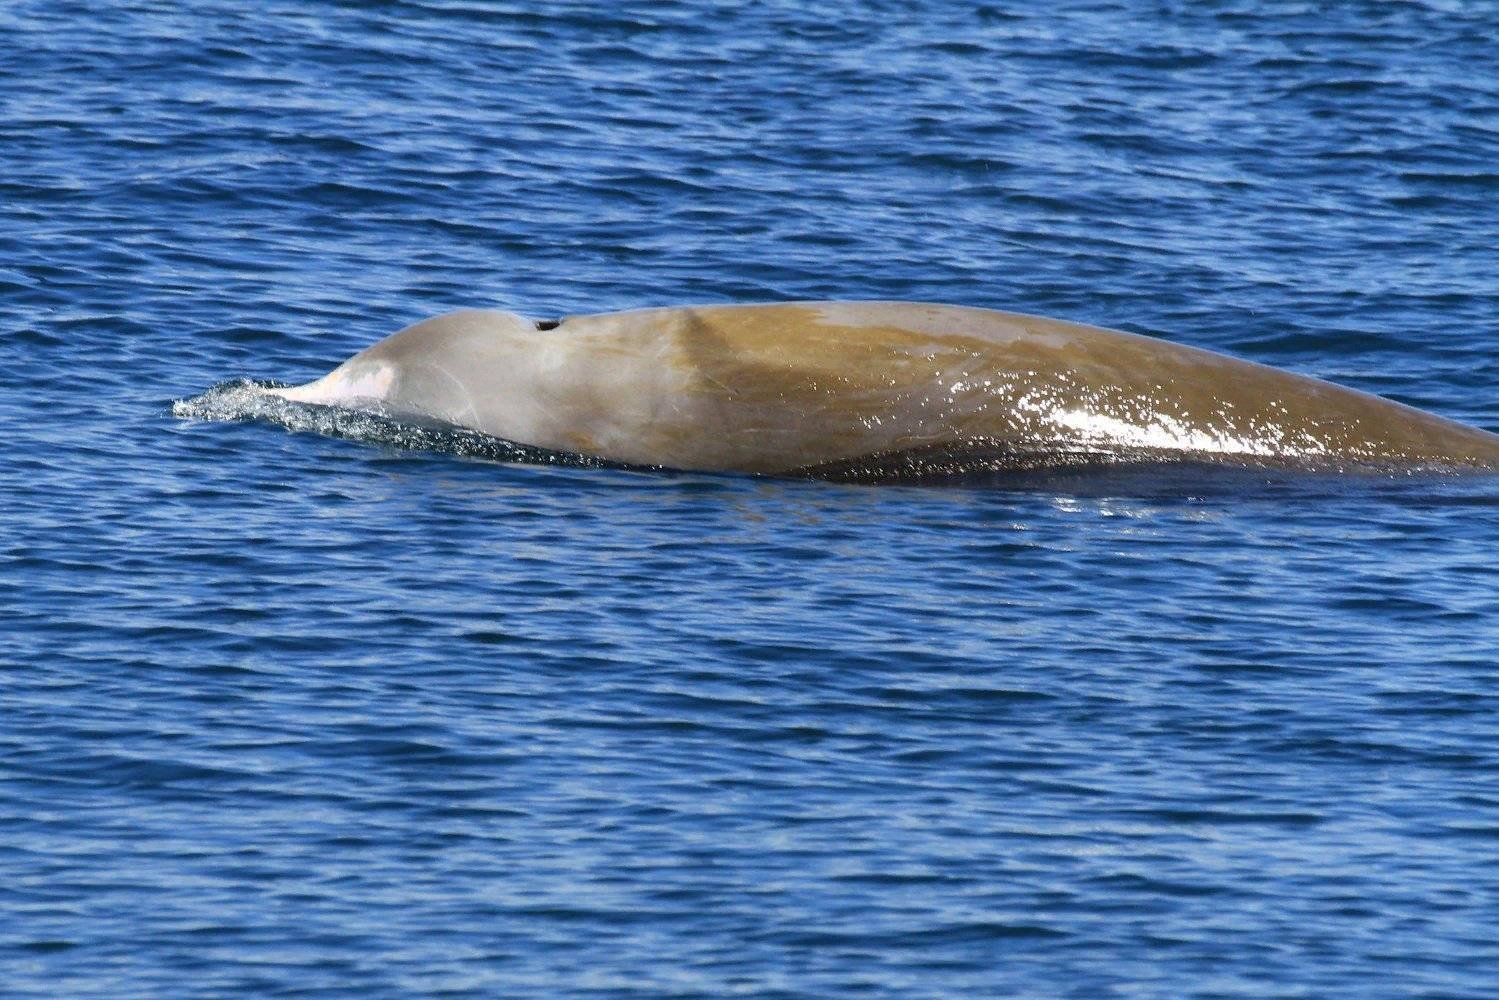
475 367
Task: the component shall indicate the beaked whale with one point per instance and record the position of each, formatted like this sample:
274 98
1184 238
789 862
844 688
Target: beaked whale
830 388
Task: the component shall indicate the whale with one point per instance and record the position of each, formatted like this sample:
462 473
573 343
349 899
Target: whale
850 389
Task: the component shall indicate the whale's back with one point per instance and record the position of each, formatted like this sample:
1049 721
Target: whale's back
772 388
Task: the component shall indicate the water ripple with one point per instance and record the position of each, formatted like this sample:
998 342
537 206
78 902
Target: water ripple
388 711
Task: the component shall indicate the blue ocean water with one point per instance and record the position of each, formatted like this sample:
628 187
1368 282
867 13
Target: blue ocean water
289 714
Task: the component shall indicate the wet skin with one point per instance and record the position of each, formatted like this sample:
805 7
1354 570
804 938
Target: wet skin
803 386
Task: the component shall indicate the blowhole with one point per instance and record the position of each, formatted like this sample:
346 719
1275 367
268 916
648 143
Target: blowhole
548 324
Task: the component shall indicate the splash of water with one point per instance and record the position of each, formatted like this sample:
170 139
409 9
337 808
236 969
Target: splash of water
243 400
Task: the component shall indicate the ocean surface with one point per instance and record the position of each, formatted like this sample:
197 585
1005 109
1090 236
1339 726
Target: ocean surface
295 714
